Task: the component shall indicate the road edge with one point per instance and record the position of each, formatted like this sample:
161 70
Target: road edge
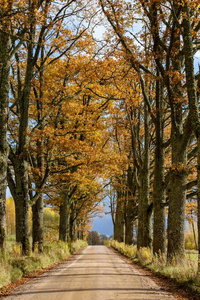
178 290
8 289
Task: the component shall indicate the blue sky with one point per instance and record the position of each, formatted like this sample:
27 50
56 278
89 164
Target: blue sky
103 225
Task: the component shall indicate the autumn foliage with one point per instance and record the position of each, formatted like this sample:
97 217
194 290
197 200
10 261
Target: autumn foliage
88 117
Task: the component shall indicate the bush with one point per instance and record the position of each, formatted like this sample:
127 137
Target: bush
15 274
145 256
5 275
77 245
127 250
189 242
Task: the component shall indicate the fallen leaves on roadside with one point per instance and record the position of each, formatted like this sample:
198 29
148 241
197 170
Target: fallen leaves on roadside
6 290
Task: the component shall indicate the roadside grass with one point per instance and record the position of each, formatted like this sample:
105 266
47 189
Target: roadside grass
184 274
14 266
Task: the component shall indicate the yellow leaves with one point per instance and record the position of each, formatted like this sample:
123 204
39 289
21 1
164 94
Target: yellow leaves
179 168
4 3
37 171
191 211
10 216
176 77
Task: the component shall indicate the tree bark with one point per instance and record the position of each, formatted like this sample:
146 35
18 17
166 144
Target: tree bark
180 136
159 228
198 203
129 225
37 209
131 208
72 223
193 96
177 199
37 229
22 206
64 220
129 222
20 156
119 219
144 212
4 91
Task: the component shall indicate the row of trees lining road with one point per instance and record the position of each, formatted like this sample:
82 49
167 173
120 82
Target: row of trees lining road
165 134
83 116
49 151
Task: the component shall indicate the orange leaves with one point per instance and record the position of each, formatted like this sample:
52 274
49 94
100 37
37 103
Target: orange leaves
191 211
176 77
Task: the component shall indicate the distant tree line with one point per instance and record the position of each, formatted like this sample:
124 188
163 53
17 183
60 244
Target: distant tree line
94 238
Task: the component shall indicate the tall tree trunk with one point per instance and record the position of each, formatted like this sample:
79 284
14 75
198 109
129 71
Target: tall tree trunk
4 90
19 191
75 230
131 208
159 231
64 220
22 155
119 219
193 102
81 237
198 202
197 131
72 227
194 235
37 209
22 206
20 163
180 135
129 222
140 230
144 211
177 199
37 229
78 231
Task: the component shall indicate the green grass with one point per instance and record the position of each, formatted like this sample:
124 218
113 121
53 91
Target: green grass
192 254
183 274
14 266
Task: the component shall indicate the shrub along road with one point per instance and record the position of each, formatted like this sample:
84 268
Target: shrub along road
95 273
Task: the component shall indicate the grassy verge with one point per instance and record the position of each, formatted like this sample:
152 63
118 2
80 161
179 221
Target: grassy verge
184 274
13 266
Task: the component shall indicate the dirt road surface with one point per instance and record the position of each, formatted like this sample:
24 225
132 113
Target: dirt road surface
96 273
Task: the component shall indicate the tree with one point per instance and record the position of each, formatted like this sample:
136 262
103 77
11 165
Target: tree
10 42
168 61
42 22
5 10
189 34
103 238
93 238
114 12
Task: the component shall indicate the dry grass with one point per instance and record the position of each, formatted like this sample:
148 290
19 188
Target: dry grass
186 273
14 266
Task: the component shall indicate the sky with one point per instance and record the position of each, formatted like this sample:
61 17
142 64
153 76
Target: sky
197 61
103 225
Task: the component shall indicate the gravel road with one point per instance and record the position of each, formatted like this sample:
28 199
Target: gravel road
96 273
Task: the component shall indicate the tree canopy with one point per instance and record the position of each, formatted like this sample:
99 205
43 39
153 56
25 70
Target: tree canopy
86 115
